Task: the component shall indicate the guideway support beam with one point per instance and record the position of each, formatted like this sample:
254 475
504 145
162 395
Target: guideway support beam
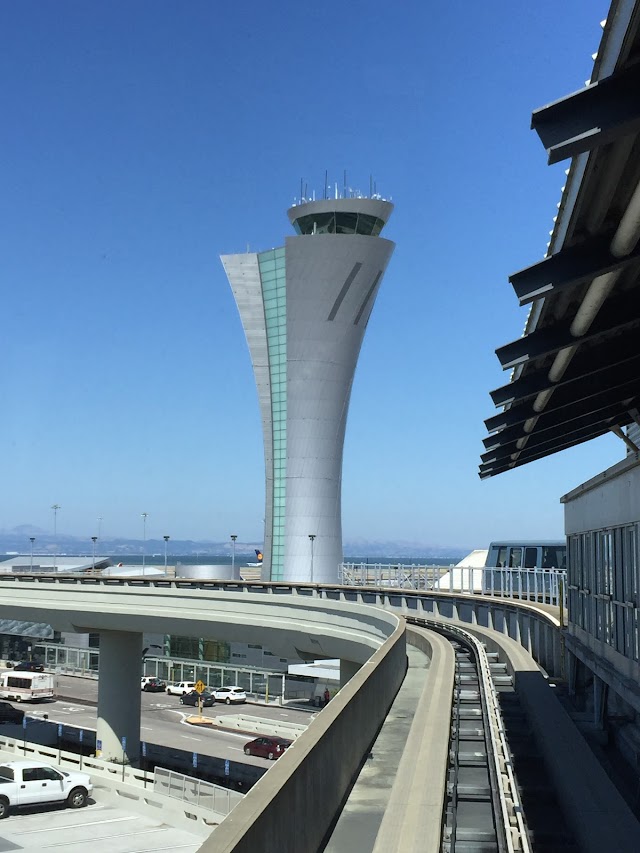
118 729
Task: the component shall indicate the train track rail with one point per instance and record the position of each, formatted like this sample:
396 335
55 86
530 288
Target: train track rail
498 797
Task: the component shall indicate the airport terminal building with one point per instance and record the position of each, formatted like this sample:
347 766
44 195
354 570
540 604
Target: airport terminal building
305 307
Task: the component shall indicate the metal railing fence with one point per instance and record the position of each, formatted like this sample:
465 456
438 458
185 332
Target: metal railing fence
195 792
547 586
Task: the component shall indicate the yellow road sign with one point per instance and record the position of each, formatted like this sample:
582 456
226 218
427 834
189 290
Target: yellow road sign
200 687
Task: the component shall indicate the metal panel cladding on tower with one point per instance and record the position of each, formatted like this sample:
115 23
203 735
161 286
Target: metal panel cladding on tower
304 308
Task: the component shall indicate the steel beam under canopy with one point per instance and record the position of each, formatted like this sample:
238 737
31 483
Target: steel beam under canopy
569 268
556 434
618 314
597 363
566 411
490 469
590 117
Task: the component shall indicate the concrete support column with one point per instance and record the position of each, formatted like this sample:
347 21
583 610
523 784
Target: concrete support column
571 672
348 669
119 696
599 701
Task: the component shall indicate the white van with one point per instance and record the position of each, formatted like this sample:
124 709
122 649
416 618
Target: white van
26 686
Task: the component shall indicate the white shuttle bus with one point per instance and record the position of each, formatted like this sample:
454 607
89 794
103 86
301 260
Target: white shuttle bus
26 686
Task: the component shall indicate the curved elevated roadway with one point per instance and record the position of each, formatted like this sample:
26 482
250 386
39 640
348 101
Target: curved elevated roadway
293 806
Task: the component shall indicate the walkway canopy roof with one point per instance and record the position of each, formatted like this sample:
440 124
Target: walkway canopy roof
576 370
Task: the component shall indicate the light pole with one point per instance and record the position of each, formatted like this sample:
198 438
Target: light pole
234 536
166 542
94 539
312 536
55 508
144 539
32 539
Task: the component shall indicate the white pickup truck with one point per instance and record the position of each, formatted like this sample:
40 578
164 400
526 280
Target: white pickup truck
28 783
181 688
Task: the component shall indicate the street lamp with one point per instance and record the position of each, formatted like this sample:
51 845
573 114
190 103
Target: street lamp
94 539
55 508
312 536
166 542
233 554
32 539
144 538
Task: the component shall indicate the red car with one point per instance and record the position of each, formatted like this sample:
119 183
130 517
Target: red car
267 747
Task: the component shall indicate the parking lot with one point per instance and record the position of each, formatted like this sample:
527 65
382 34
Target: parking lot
101 827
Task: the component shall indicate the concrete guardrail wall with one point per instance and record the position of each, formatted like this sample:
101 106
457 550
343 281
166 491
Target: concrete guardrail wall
294 804
413 818
260 726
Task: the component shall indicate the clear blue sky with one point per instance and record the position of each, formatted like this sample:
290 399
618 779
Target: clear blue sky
141 140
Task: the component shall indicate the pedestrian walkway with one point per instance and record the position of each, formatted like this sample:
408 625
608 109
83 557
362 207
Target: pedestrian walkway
362 814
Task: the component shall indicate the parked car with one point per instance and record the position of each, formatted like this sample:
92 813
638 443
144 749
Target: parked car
192 699
28 783
267 747
151 684
9 714
29 666
181 688
230 695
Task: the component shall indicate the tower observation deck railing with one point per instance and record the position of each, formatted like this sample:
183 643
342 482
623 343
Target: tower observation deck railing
545 586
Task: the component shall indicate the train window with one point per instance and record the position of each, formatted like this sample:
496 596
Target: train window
515 558
553 557
530 558
501 562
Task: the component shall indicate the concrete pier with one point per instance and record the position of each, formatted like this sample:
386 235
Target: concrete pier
118 728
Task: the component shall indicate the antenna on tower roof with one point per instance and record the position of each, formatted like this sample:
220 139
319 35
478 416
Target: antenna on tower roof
326 178
370 185
301 188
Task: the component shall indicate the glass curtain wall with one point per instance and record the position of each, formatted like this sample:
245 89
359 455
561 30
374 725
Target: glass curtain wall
274 292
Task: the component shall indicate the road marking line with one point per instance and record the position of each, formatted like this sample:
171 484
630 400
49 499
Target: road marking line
88 823
187 737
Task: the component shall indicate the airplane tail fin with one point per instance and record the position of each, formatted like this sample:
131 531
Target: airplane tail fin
258 555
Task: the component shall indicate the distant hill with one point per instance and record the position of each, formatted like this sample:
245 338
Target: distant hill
17 540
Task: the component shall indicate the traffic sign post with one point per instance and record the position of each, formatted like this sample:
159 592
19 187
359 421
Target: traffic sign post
200 688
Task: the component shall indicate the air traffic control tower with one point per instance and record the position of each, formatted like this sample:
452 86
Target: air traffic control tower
304 308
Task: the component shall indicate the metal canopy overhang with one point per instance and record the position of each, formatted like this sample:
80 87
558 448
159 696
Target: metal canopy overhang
553 436
590 117
571 387
490 469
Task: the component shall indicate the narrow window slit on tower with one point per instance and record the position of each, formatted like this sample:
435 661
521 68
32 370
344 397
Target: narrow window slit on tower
343 292
365 302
